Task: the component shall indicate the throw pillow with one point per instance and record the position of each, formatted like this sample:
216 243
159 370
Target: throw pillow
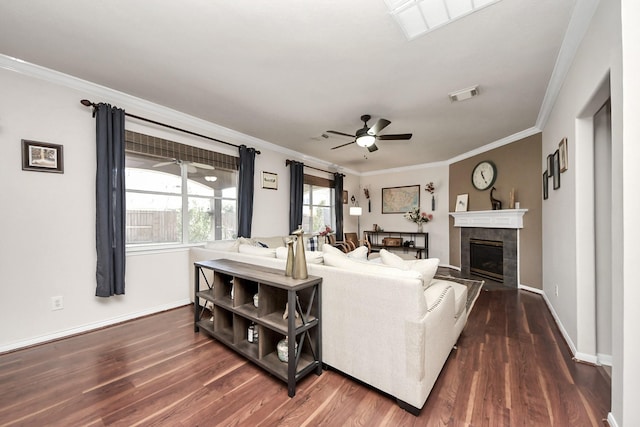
312 243
315 257
392 260
358 253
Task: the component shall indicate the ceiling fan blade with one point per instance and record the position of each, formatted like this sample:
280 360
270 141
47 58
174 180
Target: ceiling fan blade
398 136
372 148
157 165
341 133
380 124
202 166
343 145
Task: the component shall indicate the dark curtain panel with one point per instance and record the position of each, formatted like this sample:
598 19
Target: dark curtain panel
245 190
337 179
296 198
110 201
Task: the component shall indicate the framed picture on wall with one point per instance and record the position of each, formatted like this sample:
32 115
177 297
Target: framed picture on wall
400 199
42 157
556 170
270 180
550 165
564 155
545 185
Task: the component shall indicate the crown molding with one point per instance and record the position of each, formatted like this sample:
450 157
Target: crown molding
124 100
583 12
496 144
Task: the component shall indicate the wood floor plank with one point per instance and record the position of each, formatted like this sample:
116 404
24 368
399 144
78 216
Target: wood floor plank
511 368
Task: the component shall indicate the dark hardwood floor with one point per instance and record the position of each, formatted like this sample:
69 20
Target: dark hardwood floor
511 368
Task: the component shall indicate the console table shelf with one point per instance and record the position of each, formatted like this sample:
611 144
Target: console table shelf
420 241
230 289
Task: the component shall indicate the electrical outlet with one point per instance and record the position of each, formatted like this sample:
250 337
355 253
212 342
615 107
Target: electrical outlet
556 289
57 303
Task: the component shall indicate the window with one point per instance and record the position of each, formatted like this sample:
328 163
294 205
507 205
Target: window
173 201
318 208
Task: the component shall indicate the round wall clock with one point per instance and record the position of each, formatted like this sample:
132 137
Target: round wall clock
484 175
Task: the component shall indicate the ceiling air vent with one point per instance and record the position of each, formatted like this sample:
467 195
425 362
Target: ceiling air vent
461 95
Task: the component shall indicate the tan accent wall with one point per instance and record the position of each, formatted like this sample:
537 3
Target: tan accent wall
519 168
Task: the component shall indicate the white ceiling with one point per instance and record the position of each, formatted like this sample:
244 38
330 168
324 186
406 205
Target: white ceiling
287 71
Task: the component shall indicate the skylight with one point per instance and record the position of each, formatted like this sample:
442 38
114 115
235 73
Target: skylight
418 17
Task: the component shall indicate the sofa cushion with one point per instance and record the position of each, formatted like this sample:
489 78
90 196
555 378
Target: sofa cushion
257 251
427 267
222 245
358 266
271 242
312 257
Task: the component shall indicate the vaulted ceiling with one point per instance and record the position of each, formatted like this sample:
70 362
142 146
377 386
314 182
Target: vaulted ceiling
287 71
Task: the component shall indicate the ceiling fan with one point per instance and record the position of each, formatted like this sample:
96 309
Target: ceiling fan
192 167
367 136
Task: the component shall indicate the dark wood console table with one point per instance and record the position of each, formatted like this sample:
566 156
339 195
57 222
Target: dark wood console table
420 241
231 287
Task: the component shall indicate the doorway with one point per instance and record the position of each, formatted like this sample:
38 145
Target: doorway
603 231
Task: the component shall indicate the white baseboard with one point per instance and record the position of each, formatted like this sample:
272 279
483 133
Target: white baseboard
612 420
530 289
91 326
605 359
563 331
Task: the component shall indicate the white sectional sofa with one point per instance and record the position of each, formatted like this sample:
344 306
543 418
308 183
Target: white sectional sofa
391 328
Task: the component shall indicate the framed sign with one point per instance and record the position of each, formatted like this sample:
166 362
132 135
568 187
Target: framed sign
42 157
400 199
270 180
556 170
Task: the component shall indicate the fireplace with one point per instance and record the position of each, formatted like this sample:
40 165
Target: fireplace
500 226
486 259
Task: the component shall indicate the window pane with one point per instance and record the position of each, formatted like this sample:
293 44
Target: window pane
147 174
306 194
321 218
153 218
200 220
206 182
306 219
322 196
228 218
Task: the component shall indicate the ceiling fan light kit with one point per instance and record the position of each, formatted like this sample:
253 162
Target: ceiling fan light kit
418 17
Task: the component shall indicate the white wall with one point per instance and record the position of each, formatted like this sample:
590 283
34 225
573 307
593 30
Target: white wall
47 222
626 345
438 229
609 50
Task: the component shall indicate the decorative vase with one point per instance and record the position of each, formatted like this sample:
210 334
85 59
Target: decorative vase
289 268
283 349
419 227
255 300
300 260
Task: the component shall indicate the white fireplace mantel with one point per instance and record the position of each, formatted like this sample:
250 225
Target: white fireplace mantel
504 218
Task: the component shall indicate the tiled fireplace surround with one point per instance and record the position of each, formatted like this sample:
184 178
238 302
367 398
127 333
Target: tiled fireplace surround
501 226
509 239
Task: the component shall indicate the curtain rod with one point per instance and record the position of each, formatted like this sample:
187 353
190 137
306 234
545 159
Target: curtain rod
88 103
287 162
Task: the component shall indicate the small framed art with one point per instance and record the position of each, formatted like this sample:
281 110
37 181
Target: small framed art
42 157
545 185
564 155
556 170
270 180
461 202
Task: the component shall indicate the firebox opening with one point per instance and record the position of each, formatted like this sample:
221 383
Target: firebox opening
486 259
